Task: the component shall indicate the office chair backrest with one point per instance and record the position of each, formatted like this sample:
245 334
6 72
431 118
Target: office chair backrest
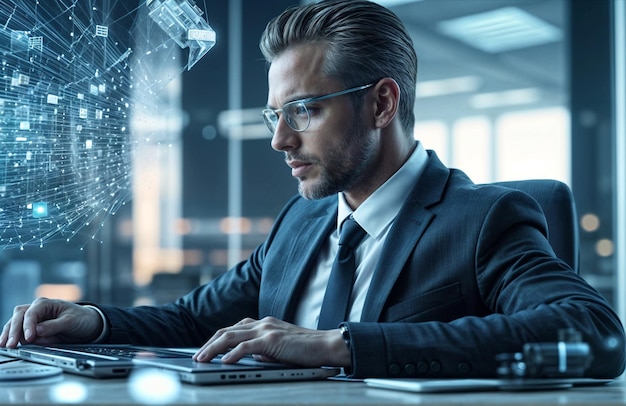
557 201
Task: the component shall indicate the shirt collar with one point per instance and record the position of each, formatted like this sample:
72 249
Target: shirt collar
382 206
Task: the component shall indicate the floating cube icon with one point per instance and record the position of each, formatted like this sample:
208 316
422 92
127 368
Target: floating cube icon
102 31
35 43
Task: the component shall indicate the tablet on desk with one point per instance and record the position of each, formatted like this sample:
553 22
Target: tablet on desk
13 369
434 385
473 385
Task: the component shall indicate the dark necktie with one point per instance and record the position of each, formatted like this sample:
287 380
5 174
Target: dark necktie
337 296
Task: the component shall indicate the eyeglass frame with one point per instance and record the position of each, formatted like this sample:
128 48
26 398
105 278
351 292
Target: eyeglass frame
272 124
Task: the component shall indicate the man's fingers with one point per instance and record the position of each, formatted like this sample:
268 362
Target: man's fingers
4 336
35 313
245 321
14 328
49 328
225 340
242 349
237 341
242 325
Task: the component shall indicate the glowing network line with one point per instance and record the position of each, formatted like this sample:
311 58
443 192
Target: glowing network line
68 74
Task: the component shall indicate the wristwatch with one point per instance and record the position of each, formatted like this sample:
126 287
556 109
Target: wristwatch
345 334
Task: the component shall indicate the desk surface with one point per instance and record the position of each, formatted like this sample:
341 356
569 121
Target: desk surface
70 389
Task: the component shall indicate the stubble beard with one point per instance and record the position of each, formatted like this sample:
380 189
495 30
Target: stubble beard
344 166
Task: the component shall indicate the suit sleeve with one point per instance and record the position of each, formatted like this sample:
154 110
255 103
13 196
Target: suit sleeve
529 294
192 319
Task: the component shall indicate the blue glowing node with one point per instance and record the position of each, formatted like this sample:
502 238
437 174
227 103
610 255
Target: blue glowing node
40 209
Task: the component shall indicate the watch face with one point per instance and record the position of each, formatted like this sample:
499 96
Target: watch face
345 334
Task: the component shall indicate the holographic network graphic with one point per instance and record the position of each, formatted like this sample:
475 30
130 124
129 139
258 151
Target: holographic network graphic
71 74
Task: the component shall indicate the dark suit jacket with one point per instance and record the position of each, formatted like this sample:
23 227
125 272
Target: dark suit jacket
466 273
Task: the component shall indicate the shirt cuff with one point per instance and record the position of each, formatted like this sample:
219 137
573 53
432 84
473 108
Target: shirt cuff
105 325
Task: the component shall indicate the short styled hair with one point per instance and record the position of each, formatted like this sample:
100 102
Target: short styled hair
364 41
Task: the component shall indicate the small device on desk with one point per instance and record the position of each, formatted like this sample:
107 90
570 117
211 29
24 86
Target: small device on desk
567 358
12 369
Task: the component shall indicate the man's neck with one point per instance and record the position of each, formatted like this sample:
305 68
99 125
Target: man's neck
388 165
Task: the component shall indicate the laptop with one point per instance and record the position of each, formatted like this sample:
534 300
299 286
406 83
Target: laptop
247 370
95 361
118 360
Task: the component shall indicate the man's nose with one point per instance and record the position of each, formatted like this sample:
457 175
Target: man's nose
284 138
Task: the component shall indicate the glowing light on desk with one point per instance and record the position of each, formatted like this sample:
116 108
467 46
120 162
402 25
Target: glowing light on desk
68 392
154 386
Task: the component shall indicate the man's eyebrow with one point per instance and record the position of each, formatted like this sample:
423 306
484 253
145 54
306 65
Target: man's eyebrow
293 99
306 97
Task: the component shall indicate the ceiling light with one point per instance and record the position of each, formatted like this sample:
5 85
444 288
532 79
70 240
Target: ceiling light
461 84
501 30
508 98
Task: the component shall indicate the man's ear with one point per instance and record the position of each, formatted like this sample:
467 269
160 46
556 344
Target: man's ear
387 93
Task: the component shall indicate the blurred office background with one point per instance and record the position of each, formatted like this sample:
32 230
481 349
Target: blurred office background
507 89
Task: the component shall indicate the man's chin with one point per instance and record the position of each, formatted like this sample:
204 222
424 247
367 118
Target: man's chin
304 191
312 191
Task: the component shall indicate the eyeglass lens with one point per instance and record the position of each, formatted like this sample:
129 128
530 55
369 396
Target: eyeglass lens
296 115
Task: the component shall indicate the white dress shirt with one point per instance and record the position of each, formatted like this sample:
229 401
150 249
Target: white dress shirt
375 215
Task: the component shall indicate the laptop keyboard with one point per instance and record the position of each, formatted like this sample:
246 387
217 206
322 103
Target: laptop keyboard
128 352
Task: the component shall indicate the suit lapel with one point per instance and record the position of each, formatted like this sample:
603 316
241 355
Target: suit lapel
298 260
409 226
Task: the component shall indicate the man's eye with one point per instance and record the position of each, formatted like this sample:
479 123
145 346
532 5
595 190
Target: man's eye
313 110
299 109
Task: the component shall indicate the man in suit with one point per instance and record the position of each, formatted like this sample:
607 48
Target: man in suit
449 275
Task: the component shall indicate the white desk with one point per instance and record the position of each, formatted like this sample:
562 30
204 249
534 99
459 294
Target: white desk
70 389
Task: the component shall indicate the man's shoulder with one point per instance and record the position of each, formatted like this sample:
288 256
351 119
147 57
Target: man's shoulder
461 189
461 183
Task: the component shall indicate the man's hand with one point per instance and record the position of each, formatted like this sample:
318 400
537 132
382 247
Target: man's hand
273 340
47 321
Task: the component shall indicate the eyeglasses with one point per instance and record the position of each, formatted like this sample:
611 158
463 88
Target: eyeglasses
296 114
